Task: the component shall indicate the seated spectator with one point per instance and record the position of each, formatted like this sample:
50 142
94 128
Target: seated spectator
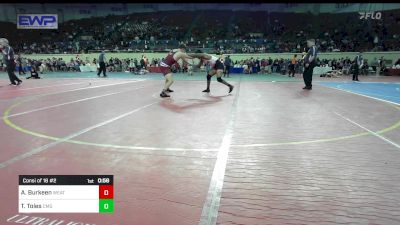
41 65
131 66
77 64
34 74
246 69
365 67
375 64
396 65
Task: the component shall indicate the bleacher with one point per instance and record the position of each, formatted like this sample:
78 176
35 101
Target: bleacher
226 30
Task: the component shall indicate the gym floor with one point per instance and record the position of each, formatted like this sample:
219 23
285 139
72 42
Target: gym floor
268 153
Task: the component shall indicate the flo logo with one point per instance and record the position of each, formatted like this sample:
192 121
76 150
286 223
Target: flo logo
370 15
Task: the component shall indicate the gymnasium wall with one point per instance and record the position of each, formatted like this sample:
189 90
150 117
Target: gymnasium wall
78 11
66 12
393 56
343 8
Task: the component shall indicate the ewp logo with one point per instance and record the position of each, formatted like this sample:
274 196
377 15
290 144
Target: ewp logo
37 21
372 15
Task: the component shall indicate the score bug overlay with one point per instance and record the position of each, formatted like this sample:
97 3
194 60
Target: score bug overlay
66 194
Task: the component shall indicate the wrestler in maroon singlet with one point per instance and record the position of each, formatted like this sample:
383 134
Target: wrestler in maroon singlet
165 66
167 63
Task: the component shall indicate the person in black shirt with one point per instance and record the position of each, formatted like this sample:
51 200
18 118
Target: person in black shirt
309 64
21 69
358 64
137 66
34 74
102 64
8 53
257 64
142 63
227 63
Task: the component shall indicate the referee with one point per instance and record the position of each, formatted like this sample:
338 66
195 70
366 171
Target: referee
309 64
227 63
358 64
8 53
102 64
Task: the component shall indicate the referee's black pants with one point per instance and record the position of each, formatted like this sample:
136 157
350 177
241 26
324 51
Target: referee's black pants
102 68
11 74
356 72
307 75
226 72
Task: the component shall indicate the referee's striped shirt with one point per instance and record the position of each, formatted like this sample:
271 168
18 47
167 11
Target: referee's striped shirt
311 52
359 60
102 57
8 53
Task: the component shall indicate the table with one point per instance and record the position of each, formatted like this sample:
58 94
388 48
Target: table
154 69
27 68
88 68
236 70
232 70
66 194
393 72
321 70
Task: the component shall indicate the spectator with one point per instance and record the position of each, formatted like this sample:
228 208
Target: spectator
34 74
102 64
132 66
143 63
292 66
257 65
227 63
396 65
21 68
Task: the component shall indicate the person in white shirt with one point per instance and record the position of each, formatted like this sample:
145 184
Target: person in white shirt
216 68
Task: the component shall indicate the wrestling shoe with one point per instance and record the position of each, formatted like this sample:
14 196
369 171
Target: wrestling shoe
164 95
230 88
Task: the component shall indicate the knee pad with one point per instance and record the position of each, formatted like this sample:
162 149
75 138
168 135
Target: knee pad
208 77
219 79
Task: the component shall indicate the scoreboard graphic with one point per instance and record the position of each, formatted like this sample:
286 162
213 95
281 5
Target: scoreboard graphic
66 194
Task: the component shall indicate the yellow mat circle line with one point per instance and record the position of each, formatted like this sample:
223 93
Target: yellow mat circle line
9 123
